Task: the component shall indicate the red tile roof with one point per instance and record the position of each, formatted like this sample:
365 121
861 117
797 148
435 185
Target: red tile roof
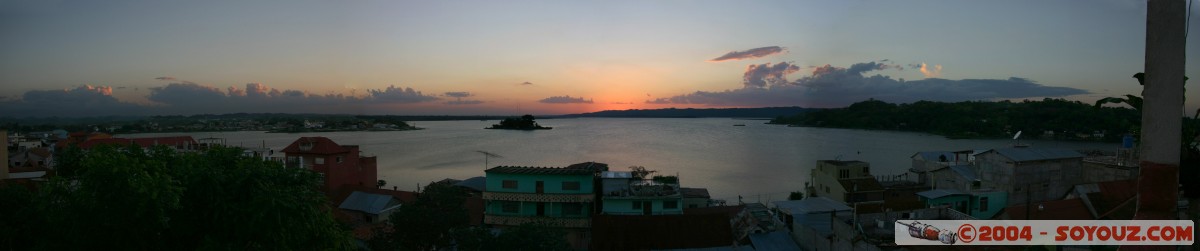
319 145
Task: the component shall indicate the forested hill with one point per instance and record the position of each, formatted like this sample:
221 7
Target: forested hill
765 112
977 119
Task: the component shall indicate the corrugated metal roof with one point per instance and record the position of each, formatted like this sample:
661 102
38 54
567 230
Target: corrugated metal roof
811 205
938 193
369 202
1031 154
778 240
966 171
933 155
539 170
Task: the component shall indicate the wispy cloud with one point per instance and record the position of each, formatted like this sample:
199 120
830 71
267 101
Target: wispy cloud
565 100
464 102
830 86
525 83
166 78
457 94
749 54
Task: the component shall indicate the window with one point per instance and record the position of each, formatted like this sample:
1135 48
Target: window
637 205
866 170
509 184
983 206
570 185
319 160
511 207
573 209
670 204
826 189
339 159
843 173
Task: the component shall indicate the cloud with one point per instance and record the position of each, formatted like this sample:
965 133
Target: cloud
84 100
761 75
458 94
830 86
565 100
934 72
621 103
166 78
748 54
526 83
398 95
464 102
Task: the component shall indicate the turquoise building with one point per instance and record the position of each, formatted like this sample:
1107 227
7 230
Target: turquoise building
623 194
563 197
981 204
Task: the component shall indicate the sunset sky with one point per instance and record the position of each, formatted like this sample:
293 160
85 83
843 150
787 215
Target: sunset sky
83 58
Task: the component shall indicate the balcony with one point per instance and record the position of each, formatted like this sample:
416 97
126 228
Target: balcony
562 198
511 220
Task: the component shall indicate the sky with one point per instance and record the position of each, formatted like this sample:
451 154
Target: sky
90 58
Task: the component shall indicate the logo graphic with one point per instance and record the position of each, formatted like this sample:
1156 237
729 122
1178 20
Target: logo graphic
919 230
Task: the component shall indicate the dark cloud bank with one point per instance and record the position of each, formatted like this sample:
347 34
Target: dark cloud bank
829 86
191 98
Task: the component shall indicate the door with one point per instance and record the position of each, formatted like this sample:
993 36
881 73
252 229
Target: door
540 186
541 208
646 208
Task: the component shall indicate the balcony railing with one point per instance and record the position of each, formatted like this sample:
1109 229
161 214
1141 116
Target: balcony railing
564 198
510 220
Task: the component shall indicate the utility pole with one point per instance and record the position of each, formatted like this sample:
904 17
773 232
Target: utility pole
1162 110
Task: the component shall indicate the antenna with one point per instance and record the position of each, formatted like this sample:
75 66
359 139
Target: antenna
487 155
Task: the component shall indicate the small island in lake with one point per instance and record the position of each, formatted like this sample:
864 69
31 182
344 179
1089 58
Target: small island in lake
523 123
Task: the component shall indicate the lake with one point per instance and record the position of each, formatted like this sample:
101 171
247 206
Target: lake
758 161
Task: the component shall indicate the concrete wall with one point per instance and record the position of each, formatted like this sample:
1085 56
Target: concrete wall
695 202
1094 172
552 209
624 205
1041 180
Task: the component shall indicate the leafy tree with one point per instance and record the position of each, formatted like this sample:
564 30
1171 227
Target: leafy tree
640 172
428 223
380 183
797 195
128 198
531 237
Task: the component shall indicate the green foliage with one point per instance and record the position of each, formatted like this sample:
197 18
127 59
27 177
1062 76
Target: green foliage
531 237
666 179
523 123
428 223
640 172
797 195
128 198
977 119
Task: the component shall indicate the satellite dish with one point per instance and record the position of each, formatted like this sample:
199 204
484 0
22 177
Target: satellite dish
1018 135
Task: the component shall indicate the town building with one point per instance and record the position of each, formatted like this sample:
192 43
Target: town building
812 221
695 197
339 165
845 181
179 143
923 163
622 194
980 203
563 197
1029 174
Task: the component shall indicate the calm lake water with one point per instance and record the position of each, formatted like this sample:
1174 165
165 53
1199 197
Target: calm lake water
758 161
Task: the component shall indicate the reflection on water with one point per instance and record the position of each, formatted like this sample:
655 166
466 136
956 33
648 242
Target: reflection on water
758 161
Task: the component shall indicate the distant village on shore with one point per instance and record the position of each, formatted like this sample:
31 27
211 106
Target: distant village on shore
844 206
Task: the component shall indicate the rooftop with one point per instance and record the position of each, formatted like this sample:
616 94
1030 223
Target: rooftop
643 232
843 162
811 205
1070 209
1031 154
539 170
965 171
938 193
616 175
861 184
694 192
369 202
315 145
